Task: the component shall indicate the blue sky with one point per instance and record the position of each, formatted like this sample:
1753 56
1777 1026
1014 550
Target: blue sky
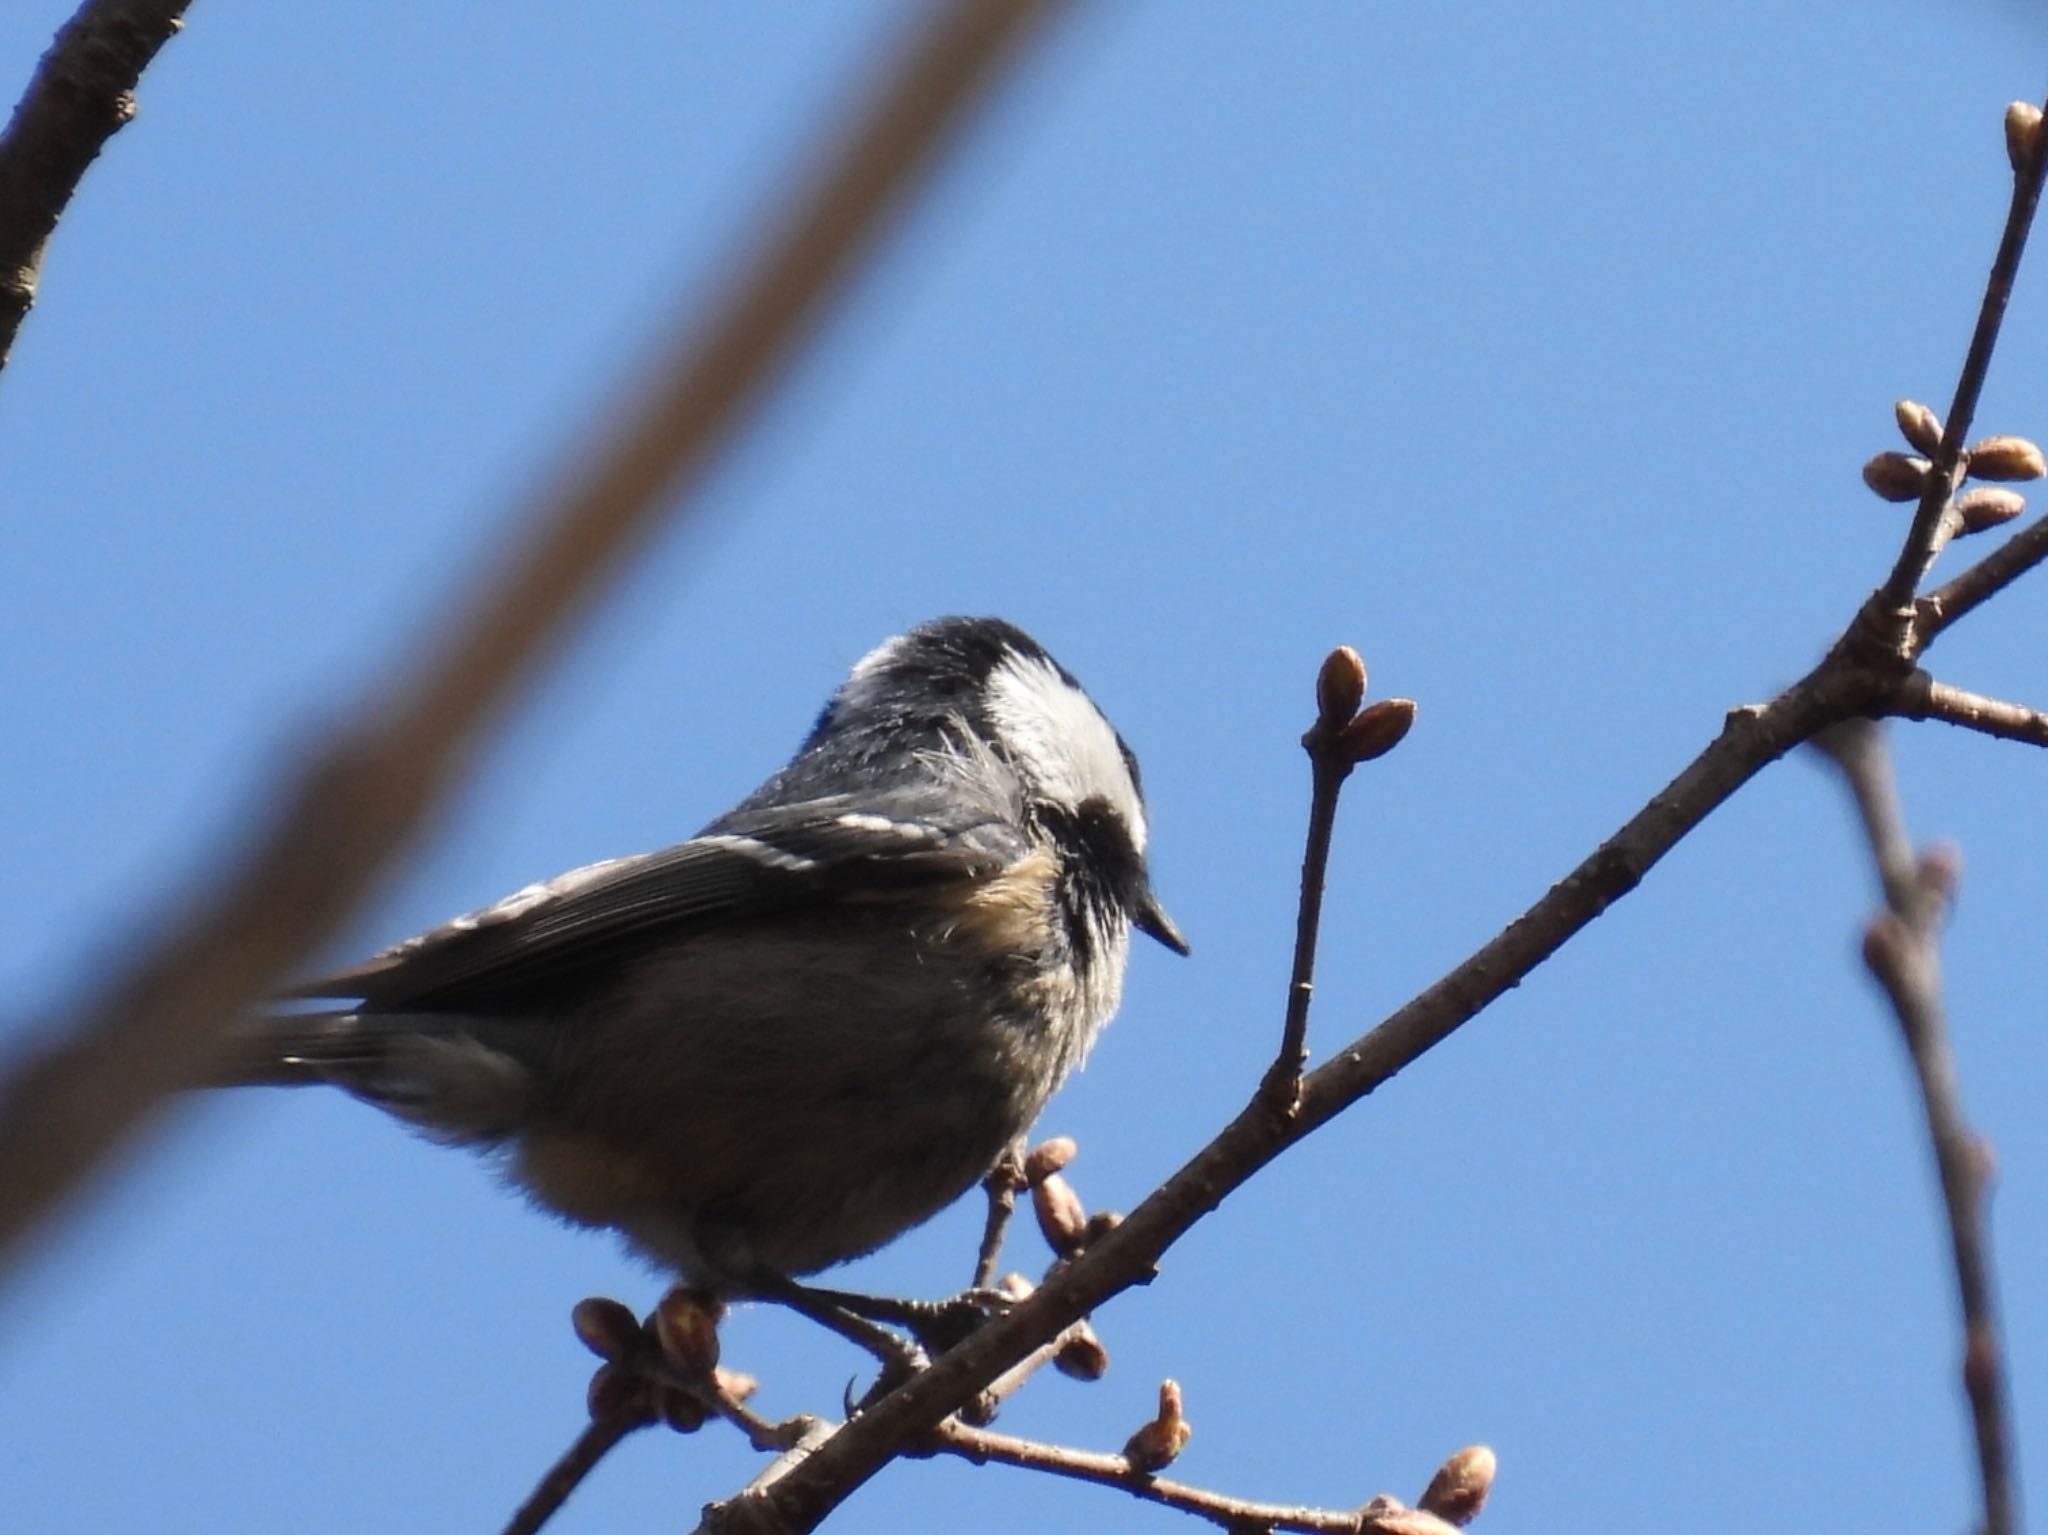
1531 349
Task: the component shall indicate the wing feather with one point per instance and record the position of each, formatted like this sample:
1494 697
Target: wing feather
758 859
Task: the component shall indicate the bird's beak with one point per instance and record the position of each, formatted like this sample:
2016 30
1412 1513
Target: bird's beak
1150 918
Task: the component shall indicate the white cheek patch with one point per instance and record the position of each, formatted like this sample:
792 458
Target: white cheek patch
1061 740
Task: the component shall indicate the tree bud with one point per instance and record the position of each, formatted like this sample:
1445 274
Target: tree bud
616 1393
2006 458
1919 426
686 1325
681 1411
1377 730
605 1327
1082 1356
1340 687
1154 1447
1048 1157
1988 506
1896 476
1458 1490
1061 1216
2022 134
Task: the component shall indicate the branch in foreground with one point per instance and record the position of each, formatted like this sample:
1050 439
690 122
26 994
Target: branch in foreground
1902 948
374 786
81 95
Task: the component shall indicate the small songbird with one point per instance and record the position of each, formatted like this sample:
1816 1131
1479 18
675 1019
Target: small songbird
787 1040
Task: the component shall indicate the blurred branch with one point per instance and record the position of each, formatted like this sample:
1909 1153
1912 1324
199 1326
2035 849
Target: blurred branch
1902 948
373 786
1922 698
81 95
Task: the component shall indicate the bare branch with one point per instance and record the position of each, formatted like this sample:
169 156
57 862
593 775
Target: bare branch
982 1447
1001 1186
373 787
81 95
1922 541
1902 948
1922 698
1984 580
567 1474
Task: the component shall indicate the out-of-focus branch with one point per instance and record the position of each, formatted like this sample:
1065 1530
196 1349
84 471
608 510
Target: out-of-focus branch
1902 948
82 94
1922 698
371 790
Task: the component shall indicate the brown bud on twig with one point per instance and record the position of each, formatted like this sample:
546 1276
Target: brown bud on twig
1340 687
686 1326
1390 1516
1458 1490
1987 506
1919 426
605 1327
2006 458
2022 134
1100 1225
682 1411
1153 1447
1377 730
1082 1356
1048 1157
1896 476
1015 1286
616 1394
1061 1216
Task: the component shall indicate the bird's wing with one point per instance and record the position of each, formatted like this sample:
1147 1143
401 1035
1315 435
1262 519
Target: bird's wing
755 860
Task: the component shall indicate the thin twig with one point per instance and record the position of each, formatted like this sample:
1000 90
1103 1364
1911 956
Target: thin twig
1920 547
1327 771
1922 698
1001 1186
982 1446
1946 604
1902 948
81 95
567 1474
374 786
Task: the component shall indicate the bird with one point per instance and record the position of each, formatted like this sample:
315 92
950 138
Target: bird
780 1044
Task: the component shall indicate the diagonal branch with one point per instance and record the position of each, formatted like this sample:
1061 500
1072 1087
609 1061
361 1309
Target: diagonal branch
82 94
375 785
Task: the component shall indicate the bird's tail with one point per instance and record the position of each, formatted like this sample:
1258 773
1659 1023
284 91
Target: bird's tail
434 1072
